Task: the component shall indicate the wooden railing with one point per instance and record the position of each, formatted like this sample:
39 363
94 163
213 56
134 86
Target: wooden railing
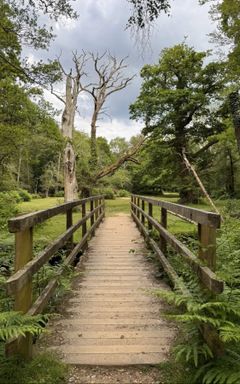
204 265
20 284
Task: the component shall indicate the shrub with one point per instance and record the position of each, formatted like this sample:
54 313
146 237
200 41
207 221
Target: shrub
108 193
59 194
8 207
24 195
123 193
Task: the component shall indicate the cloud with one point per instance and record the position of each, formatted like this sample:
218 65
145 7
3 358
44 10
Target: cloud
101 27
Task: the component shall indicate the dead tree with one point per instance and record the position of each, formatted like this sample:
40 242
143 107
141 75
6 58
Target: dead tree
70 99
110 79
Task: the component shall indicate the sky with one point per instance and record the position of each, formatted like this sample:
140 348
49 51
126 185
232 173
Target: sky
101 27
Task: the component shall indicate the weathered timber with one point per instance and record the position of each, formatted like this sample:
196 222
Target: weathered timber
150 213
206 276
197 215
163 260
163 243
23 299
207 245
19 279
29 220
69 223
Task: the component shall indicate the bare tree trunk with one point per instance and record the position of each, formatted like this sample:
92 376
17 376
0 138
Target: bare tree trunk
93 158
203 189
69 159
70 181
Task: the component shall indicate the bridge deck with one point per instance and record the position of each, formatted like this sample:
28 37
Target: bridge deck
110 318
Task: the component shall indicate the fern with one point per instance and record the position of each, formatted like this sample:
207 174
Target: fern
222 371
193 352
14 324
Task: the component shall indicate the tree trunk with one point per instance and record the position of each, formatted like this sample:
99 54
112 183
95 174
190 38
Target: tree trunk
234 103
19 167
70 181
93 149
230 180
69 159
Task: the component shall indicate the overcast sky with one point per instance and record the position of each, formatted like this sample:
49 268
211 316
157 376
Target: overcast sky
101 27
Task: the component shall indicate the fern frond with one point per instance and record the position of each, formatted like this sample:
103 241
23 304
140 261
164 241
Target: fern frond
14 324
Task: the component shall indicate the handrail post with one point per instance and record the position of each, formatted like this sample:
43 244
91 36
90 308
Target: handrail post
69 223
138 204
23 297
131 205
143 208
84 226
150 213
96 206
103 201
207 245
163 243
91 209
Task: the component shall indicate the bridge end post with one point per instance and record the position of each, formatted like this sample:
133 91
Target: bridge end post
207 245
23 297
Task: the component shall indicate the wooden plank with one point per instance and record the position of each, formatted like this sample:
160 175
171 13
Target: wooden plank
23 297
84 226
69 223
150 213
193 214
207 245
163 243
19 279
29 220
207 277
143 208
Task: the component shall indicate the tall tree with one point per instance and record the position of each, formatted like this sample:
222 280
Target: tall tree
110 78
178 102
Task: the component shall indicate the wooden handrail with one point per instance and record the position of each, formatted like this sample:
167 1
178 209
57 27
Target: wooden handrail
203 266
20 283
29 220
207 277
197 215
207 236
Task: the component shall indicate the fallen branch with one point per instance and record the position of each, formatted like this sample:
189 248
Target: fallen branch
203 189
128 156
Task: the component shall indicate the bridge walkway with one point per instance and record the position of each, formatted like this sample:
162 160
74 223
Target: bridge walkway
111 318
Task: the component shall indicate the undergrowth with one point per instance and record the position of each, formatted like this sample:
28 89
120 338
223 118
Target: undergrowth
218 363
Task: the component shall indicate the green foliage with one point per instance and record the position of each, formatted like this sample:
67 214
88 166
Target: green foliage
8 207
14 324
123 193
24 195
45 368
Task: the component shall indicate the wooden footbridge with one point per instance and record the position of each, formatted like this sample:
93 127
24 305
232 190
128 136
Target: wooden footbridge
111 318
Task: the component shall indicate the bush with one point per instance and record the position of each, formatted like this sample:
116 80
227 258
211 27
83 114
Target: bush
123 193
8 207
24 195
108 193
35 196
59 194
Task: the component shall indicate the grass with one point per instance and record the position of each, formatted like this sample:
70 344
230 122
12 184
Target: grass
52 228
45 368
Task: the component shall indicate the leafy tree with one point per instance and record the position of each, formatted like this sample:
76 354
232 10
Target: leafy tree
179 103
